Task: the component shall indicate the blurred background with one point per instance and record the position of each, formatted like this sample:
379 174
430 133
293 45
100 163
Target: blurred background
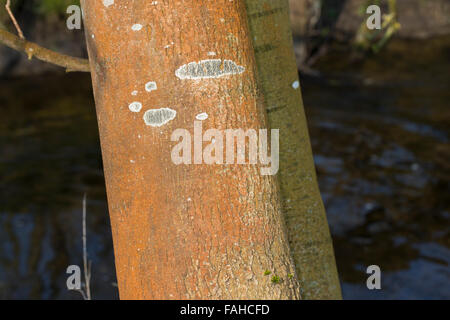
378 111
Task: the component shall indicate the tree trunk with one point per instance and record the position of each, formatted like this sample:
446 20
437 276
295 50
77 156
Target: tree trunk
309 236
183 231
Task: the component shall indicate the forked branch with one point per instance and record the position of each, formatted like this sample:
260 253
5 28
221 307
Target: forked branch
19 43
34 50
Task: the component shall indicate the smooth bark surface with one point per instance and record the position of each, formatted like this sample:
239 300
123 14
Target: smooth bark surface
183 231
308 231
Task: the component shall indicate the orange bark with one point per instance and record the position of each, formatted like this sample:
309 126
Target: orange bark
183 231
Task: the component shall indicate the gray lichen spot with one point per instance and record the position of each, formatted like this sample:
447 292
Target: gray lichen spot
159 117
108 3
202 116
151 86
208 69
135 106
136 27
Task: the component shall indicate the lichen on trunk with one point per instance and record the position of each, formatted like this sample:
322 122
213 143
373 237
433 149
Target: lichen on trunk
183 231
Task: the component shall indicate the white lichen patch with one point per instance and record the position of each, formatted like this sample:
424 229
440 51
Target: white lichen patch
135 106
296 85
151 86
202 116
169 45
108 3
159 117
134 93
136 27
211 53
208 69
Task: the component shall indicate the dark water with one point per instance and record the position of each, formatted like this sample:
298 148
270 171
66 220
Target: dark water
380 131
50 157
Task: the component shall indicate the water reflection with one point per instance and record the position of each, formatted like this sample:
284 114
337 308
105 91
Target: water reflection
50 157
380 131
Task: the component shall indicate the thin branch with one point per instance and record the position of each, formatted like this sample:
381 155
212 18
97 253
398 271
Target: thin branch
11 15
33 50
82 294
87 265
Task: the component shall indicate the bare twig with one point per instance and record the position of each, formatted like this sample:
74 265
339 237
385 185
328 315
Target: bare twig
87 265
32 49
11 15
82 293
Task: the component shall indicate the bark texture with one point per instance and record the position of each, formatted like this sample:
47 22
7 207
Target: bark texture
308 231
183 231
